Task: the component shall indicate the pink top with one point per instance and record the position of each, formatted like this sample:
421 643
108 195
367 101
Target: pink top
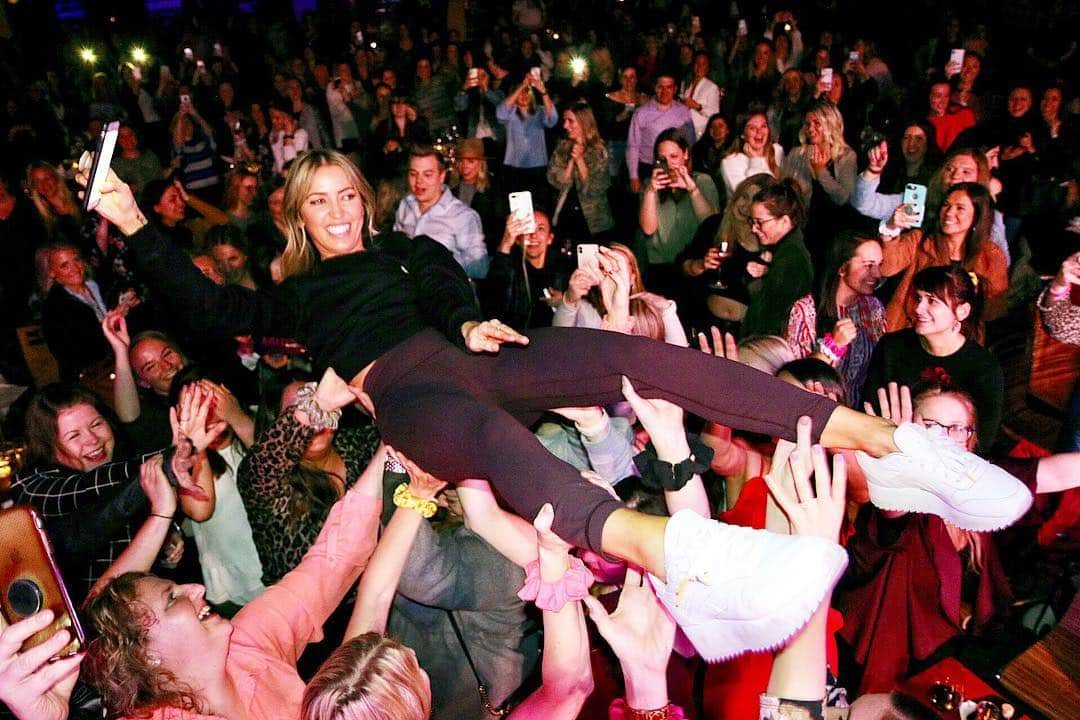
271 632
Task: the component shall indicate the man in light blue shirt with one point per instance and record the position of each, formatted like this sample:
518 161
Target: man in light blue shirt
431 209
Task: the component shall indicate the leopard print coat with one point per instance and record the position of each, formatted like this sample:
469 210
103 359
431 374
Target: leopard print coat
263 479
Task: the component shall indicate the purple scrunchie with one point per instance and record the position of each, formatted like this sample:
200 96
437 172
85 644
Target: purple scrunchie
573 586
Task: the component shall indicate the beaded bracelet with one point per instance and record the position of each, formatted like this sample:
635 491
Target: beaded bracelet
621 710
405 499
317 417
573 586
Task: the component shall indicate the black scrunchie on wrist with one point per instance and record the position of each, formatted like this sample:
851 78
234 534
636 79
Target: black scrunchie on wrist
659 475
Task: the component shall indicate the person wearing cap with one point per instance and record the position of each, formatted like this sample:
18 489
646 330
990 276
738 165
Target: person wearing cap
471 183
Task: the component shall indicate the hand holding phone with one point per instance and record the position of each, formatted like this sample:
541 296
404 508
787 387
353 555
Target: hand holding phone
521 207
30 582
588 258
915 202
826 78
96 167
956 62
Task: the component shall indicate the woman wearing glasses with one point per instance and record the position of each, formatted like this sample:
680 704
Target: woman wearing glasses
941 346
918 587
777 216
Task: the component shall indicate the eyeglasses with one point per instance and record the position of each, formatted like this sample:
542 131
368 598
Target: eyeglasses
960 433
761 222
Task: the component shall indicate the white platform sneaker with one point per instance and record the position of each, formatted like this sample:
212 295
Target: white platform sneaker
734 589
932 475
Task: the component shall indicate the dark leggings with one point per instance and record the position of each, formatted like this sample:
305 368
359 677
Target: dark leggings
460 416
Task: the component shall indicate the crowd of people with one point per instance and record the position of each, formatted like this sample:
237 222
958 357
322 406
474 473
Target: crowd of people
399 345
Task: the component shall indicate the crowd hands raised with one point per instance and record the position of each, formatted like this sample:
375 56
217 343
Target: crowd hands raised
778 191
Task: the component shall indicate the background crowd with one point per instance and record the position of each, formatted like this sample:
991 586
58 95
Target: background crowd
868 210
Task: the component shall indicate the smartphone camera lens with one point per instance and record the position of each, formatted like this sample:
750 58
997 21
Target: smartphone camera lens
25 597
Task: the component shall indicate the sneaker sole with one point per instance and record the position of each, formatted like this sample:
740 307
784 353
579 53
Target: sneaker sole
914 500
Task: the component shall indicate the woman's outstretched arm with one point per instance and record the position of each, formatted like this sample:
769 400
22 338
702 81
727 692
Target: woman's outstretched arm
206 307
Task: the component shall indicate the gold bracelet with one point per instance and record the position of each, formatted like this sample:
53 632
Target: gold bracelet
405 499
663 713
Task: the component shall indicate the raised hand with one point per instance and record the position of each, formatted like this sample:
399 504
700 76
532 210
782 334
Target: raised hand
812 509
115 328
722 346
895 403
193 414
422 484
879 156
640 631
156 485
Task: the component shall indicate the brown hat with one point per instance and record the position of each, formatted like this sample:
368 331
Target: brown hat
469 149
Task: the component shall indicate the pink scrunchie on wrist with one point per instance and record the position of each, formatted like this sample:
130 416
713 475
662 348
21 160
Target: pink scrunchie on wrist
552 597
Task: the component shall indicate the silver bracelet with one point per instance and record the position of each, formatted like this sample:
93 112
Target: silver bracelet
317 417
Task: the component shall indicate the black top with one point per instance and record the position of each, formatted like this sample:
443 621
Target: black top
347 312
73 333
900 357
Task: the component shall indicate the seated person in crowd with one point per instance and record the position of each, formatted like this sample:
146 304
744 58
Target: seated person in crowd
474 184
431 209
942 346
527 276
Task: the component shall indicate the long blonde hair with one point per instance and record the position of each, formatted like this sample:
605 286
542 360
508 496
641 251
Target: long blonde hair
832 123
301 256
370 677
49 215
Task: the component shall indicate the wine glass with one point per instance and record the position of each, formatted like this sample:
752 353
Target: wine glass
724 252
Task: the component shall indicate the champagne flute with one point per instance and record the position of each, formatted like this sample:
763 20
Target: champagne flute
724 252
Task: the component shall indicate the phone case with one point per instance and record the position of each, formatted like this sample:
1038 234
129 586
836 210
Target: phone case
588 254
30 579
99 170
521 205
915 195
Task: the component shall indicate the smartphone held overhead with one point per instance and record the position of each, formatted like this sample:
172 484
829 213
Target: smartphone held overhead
521 207
915 203
95 166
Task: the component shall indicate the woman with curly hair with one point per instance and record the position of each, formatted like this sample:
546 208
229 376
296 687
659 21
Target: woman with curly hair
162 653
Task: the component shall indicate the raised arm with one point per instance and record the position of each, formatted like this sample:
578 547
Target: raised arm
125 391
143 549
566 670
206 307
380 579
664 423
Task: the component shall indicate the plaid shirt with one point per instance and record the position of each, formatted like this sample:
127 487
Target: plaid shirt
56 492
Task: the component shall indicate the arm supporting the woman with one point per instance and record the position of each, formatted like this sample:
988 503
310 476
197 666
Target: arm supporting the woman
566 668
380 580
291 613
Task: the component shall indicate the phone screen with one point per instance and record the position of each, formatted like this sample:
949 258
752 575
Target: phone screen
826 77
99 164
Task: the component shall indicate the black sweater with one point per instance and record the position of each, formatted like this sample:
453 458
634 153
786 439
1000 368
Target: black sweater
899 357
348 311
